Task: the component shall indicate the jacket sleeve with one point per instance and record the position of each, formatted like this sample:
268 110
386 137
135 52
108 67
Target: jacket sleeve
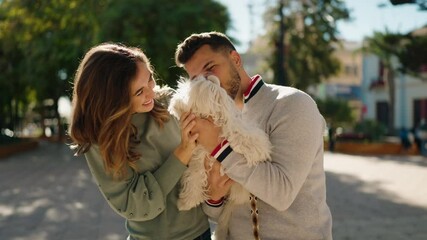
295 129
141 196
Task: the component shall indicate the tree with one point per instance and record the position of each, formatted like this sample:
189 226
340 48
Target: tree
157 26
335 111
41 42
421 3
413 55
398 2
310 36
387 47
404 53
14 87
47 37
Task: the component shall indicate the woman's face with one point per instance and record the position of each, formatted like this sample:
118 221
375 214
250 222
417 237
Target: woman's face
142 94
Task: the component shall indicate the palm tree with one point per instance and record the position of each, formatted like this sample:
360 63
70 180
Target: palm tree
386 46
304 40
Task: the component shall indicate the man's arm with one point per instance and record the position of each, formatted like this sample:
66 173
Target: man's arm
296 133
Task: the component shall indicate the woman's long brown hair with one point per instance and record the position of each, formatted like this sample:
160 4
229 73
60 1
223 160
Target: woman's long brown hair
101 105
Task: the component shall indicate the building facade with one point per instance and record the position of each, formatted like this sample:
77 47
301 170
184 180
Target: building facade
410 96
346 85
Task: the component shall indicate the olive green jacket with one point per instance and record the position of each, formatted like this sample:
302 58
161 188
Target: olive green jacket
147 199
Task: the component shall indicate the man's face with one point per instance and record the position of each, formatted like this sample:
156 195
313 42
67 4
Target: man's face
207 62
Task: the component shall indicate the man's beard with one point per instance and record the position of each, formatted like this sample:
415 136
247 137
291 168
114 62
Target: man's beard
234 82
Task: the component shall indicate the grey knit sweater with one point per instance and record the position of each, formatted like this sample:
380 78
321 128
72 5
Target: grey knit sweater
291 188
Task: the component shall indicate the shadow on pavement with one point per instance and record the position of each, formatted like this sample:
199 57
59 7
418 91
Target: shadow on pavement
363 210
415 160
49 194
407 160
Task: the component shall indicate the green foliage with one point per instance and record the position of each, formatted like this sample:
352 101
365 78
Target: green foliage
310 40
413 54
42 42
375 131
384 45
335 111
410 50
157 26
6 140
13 87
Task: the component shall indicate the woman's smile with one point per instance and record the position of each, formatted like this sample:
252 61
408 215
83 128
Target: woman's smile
148 102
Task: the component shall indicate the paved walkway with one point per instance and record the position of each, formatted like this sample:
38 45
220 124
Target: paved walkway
377 197
47 194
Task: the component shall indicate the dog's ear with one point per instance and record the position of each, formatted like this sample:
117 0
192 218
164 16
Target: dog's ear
222 105
213 79
179 101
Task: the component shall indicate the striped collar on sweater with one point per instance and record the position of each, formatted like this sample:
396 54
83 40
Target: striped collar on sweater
255 85
224 148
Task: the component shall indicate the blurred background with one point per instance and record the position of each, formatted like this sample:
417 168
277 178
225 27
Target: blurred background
364 62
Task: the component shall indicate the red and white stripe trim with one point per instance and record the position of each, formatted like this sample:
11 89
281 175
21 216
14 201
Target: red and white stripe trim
222 151
256 83
213 203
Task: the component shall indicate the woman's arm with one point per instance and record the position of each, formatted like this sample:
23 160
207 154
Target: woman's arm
141 196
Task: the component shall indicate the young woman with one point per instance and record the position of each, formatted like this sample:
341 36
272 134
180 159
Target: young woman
134 149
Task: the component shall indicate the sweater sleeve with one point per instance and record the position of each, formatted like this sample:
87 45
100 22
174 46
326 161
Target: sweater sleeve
212 212
142 196
295 129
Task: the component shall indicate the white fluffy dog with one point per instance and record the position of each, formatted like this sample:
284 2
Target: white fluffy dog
205 98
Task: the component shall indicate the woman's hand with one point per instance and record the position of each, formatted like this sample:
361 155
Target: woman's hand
188 138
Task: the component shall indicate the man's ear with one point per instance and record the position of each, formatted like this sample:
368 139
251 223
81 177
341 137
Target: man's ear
235 57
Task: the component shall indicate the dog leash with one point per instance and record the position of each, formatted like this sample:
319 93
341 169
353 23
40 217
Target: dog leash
254 214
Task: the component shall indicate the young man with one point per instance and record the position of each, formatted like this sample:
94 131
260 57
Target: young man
289 193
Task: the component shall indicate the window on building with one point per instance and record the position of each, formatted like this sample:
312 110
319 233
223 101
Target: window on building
382 111
350 70
420 110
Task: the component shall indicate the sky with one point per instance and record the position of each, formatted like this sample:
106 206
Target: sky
367 18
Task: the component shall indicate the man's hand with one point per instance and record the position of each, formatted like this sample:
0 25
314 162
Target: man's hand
218 186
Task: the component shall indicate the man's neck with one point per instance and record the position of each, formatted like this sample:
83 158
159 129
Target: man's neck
239 100
244 85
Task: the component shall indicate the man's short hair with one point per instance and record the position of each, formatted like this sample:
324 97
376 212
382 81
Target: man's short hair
216 40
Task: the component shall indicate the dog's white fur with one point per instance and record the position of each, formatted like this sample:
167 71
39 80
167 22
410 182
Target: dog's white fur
206 98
